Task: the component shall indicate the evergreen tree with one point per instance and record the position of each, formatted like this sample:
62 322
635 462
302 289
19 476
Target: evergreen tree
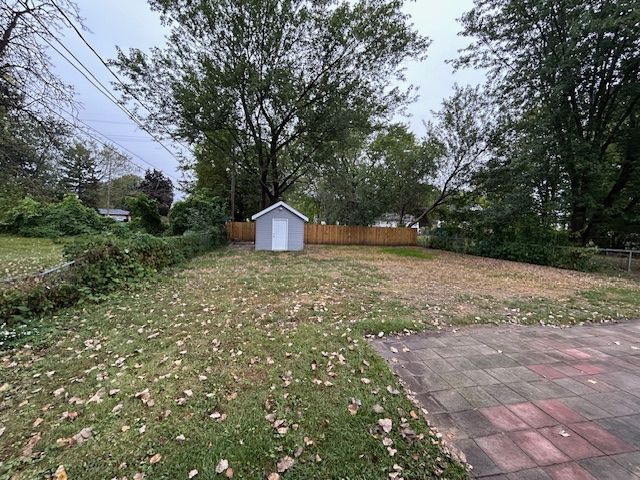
80 173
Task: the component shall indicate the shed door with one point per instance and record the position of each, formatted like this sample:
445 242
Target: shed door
279 233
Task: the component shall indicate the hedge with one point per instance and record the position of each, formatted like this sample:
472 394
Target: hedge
561 256
101 264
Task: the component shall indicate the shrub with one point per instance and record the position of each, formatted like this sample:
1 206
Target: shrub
561 256
102 264
144 211
200 211
69 217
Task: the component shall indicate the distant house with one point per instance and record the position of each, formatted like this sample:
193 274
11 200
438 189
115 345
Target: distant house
280 227
115 213
392 220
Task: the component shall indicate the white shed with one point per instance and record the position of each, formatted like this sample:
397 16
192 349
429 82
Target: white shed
280 227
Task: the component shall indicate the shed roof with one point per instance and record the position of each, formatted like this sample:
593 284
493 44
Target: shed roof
112 211
277 205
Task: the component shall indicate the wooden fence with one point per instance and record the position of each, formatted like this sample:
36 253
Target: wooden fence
241 231
334 234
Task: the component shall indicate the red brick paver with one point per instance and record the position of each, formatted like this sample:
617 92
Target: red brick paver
532 415
504 453
528 403
569 471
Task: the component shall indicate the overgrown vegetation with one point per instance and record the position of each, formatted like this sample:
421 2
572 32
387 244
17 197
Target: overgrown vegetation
101 265
561 256
30 218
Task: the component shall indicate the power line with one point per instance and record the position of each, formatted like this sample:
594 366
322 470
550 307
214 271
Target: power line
99 133
108 67
104 90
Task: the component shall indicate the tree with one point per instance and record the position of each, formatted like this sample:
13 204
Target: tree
350 188
460 142
28 28
115 195
407 165
573 67
200 211
157 186
146 216
28 160
81 172
285 80
219 174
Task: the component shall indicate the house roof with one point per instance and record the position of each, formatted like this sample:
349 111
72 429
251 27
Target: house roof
277 205
112 211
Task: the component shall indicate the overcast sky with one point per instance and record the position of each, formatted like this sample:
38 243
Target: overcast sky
131 23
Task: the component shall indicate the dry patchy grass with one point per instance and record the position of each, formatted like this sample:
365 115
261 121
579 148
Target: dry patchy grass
456 288
23 256
259 359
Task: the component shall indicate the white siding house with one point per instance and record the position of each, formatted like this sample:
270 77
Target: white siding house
280 227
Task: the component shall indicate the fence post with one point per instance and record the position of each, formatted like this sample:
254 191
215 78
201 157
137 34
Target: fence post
630 261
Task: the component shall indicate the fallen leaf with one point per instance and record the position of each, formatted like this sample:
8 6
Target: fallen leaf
97 397
222 465
273 476
37 422
180 438
386 424
28 449
284 464
60 474
392 390
378 408
155 459
193 473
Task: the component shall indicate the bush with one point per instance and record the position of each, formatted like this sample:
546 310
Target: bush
200 211
102 264
146 216
568 257
67 218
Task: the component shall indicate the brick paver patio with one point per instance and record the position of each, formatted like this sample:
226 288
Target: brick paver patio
530 402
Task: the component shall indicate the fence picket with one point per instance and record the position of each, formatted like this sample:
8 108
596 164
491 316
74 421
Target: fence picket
334 234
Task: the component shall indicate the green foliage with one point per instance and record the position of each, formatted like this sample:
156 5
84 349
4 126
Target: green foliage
69 217
157 186
120 189
369 177
146 216
561 256
200 211
81 171
287 97
101 265
567 79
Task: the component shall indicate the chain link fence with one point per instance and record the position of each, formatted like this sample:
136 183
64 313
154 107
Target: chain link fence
618 259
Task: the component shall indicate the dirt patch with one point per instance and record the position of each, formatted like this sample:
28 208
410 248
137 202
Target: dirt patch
457 284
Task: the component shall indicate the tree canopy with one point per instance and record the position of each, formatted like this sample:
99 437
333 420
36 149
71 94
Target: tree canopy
566 74
275 84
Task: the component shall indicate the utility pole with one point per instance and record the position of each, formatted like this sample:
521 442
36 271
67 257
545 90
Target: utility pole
109 179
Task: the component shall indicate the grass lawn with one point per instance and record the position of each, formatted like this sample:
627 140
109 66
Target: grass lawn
253 358
259 360
23 256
